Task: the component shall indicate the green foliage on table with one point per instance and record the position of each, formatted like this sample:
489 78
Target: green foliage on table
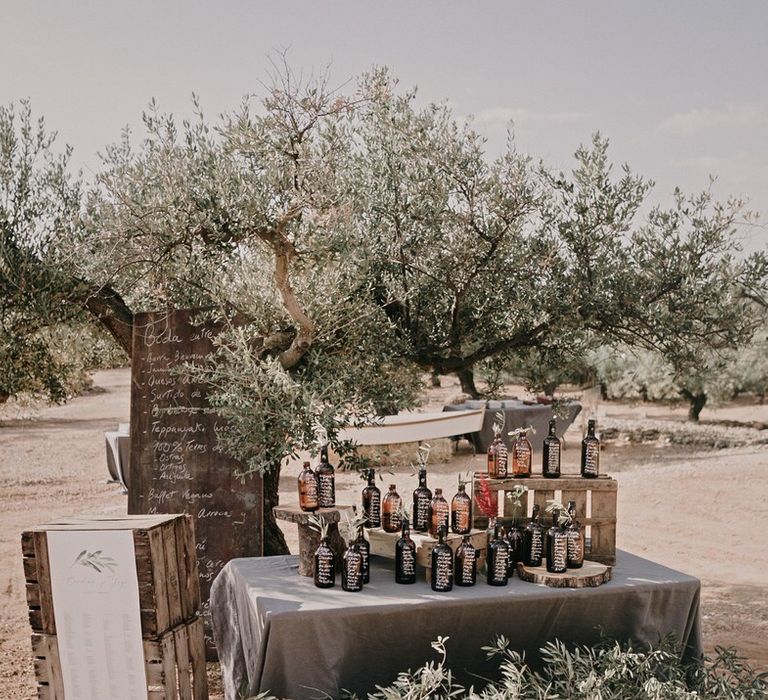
608 671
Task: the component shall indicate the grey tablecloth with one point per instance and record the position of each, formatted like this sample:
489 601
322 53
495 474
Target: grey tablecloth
517 415
275 631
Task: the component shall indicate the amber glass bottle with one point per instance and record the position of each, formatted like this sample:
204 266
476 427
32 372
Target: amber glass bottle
498 560
497 459
372 501
390 510
461 512
442 564
557 546
515 543
405 556
438 513
352 569
533 540
365 552
422 497
550 466
307 489
522 453
590 453
326 481
325 566
465 569
575 535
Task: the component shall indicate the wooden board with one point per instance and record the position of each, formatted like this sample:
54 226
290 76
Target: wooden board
174 664
175 466
595 506
590 575
169 588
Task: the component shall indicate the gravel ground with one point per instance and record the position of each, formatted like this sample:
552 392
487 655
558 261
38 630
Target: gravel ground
702 511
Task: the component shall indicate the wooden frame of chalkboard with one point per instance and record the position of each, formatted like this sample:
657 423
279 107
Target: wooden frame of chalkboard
175 466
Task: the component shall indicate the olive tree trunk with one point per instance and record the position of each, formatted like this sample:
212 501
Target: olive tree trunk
274 540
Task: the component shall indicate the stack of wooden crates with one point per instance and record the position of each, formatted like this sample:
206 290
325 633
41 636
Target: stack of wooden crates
595 506
169 597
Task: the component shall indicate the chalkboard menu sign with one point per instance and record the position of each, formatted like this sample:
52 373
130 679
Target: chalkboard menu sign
175 466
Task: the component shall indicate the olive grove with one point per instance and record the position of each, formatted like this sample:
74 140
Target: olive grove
356 239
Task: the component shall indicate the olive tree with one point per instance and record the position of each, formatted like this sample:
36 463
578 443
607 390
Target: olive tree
475 260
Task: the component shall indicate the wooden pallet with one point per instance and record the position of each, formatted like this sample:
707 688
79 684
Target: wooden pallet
595 506
174 664
166 564
383 545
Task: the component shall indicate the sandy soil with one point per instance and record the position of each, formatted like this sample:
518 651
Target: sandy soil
704 513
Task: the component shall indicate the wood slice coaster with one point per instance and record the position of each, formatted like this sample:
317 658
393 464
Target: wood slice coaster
590 575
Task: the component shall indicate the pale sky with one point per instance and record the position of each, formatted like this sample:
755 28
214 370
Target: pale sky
680 88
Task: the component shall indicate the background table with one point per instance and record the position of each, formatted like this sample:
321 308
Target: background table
275 631
517 414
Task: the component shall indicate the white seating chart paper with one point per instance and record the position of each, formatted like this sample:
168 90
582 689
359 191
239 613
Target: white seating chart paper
95 593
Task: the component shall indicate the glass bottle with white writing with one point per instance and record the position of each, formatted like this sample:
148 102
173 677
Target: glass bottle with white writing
533 540
515 543
365 552
372 501
352 569
575 534
326 481
590 453
438 513
550 466
497 459
557 546
442 564
390 510
307 489
422 497
461 512
465 569
325 565
522 453
405 556
498 560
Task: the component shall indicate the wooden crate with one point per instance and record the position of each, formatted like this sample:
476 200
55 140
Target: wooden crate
383 545
174 664
166 564
595 506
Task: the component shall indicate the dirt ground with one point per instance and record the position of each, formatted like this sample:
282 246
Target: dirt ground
704 513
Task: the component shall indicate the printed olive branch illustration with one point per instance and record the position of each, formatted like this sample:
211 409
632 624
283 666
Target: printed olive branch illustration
95 560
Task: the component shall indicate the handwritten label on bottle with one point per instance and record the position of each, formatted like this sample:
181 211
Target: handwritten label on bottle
497 461
553 458
522 458
592 459
467 565
421 511
442 565
326 492
408 562
461 518
374 509
536 545
559 552
324 563
500 564
353 571
575 546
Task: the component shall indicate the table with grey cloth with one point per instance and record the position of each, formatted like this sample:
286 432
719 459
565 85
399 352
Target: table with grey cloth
517 414
276 631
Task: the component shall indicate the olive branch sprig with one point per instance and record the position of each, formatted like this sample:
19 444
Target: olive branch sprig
528 430
499 421
553 504
319 524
